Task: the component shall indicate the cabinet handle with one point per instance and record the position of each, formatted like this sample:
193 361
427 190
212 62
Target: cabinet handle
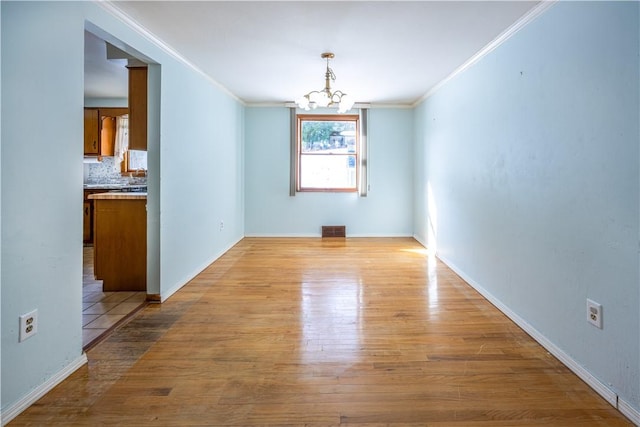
86 211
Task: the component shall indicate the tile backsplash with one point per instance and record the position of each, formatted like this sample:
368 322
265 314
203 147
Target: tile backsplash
106 172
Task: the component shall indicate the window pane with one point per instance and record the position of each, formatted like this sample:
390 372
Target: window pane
328 136
137 160
327 153
328 171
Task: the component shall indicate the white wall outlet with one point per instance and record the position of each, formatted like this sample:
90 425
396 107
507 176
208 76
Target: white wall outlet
28 325
221 225
594 313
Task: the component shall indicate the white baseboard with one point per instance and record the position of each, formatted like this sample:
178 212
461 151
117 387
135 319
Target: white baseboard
281 235
629 411
35 394
319 235
600 388
420 240
175 288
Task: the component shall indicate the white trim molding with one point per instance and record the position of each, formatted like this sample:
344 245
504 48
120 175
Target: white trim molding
111 8
189 277
35 394
629 411
356 106
526 19
598 386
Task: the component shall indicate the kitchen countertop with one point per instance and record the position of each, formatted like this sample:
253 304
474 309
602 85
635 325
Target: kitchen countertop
102 186
112 186
116 195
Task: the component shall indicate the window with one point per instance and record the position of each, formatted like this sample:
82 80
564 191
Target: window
135 162
327 153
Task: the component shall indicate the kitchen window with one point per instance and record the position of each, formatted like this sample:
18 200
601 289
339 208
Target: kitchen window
134 163
327 154
136 160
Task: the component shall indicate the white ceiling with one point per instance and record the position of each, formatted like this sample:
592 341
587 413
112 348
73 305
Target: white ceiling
102 78
387 52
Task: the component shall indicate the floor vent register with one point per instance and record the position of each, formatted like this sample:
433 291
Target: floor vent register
334 231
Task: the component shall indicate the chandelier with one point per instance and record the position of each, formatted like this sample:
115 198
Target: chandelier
325 97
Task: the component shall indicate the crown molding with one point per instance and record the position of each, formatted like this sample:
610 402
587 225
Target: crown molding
290 104
527 18
524 20
113 10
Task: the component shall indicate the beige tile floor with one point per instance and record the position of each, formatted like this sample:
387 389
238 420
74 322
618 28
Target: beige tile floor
101 311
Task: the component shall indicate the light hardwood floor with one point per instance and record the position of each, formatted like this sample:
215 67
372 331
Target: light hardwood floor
292 332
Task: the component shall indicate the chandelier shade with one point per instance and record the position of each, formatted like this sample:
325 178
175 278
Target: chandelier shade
326 97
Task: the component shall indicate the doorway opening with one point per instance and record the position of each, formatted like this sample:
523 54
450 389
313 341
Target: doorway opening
115 168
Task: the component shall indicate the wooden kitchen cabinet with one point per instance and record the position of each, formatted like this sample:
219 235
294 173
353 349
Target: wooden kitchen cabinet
86 221
100 130
120 241
107 135
91 131
87 214
138 108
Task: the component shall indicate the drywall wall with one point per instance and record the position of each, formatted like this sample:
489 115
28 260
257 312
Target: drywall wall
202 205
270 211
528 181
195 179
41 217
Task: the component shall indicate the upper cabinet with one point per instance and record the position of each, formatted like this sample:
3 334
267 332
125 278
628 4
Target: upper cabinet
91 132
100 130
138 108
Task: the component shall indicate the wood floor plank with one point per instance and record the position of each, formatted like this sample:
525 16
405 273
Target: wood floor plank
317 332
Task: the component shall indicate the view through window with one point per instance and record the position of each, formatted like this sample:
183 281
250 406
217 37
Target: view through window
137 160
327 153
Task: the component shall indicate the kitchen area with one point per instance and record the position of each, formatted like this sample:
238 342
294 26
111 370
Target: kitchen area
114 189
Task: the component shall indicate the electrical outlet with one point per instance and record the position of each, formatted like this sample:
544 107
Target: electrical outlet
28 325
594 313
221 225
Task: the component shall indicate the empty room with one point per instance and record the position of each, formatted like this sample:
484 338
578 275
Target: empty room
320 213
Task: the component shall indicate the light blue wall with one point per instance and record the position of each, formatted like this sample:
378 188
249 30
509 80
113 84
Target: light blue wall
270 211
532 157
195 179
198 179
204 161
41 261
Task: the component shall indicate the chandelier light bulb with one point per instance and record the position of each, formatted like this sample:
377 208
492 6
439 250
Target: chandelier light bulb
313 96
303 102
323 100
346 103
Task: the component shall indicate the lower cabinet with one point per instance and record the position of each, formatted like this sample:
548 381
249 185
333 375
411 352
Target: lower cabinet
87 211
120 243
87 215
